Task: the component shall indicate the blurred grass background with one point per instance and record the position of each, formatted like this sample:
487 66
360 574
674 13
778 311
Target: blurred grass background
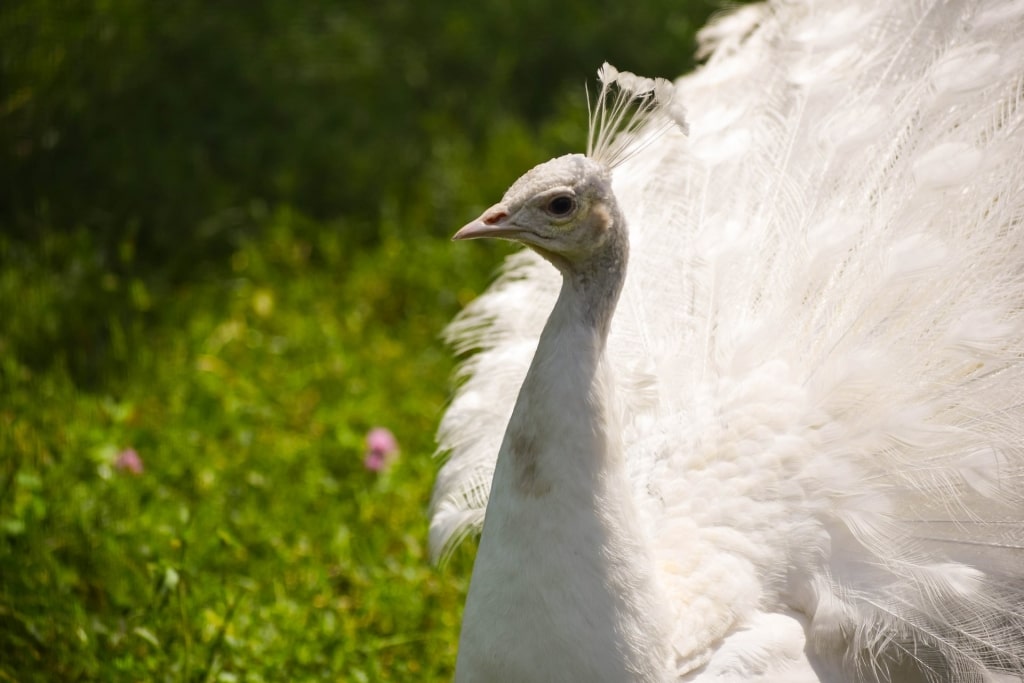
224 245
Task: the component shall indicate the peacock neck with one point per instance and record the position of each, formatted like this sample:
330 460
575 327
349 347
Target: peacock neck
591 287
562 427
562 544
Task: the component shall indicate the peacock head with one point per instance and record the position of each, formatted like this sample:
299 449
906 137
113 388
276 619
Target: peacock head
565 208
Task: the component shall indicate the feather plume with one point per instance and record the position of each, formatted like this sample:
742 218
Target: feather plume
627 105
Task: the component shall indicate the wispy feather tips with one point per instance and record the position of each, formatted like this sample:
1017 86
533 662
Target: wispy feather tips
618 118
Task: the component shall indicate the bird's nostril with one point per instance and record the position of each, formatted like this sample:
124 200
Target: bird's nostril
492 218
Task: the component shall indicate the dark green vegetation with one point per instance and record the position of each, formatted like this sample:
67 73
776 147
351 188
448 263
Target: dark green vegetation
223 244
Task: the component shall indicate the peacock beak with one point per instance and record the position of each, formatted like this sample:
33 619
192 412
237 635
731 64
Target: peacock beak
494 222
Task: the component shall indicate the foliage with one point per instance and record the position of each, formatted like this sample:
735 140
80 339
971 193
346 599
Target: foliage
223 244
254 545
160 119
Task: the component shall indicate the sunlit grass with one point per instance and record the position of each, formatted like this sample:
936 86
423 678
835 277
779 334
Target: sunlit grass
254 545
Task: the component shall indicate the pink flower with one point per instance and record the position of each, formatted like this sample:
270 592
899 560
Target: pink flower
381 449
374 461
128 461
381 440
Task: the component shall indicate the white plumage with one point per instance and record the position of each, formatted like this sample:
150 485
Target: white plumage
796 452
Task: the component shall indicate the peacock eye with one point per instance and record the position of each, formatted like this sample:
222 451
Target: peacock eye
562 205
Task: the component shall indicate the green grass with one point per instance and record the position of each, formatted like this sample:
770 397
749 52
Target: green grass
254 546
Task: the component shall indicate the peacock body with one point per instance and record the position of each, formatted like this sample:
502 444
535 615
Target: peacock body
787 443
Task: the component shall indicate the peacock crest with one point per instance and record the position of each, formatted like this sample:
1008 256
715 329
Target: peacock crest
625 105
